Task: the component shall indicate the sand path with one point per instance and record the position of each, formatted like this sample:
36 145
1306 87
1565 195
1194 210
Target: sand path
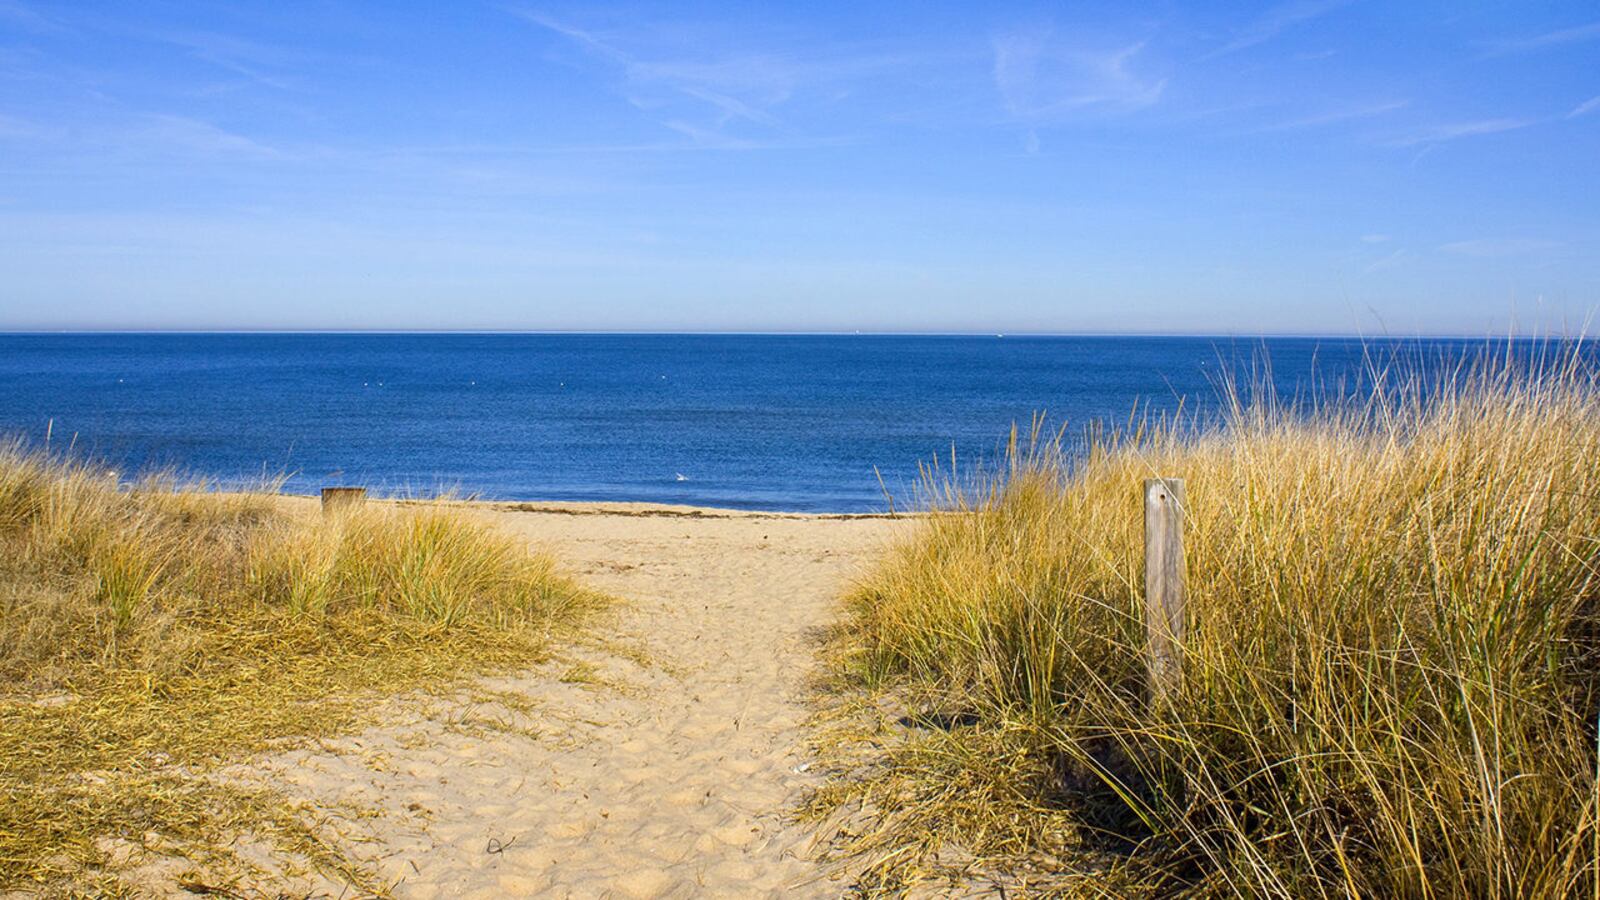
598 775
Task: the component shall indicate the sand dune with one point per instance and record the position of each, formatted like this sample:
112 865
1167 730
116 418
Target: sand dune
660 761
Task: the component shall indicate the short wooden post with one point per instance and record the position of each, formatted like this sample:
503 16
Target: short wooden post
337 498
1164 615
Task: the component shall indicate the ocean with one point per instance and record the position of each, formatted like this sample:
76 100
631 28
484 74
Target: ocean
781 422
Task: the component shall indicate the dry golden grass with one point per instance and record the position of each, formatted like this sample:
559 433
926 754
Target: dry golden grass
149 635
1390 680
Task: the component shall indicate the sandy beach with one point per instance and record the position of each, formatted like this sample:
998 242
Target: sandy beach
660 759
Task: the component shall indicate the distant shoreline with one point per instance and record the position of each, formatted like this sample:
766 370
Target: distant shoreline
621 508
1486 337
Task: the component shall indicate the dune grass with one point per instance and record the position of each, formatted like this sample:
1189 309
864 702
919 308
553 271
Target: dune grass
151 634
1391 675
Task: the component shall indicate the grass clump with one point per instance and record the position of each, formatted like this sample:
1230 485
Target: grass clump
1391 673
151 634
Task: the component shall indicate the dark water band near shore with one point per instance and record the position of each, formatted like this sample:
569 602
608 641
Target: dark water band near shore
787 422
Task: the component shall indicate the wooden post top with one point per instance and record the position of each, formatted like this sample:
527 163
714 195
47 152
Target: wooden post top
1166 619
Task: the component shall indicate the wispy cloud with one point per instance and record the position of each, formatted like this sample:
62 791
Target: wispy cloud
577 35
714 139
1391 260
1439 134
1575 35
160 137
1586 107
728 92
732 107
202 138
261 63
1338 116
1274 22
1042 81
258 62
28 18
13 127
1491 247
713 84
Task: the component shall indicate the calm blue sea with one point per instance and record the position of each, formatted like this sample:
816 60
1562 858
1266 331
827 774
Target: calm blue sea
788 422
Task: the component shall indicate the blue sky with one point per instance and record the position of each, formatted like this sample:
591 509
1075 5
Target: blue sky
1308 167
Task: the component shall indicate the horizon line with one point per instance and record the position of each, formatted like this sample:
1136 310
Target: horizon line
1346 335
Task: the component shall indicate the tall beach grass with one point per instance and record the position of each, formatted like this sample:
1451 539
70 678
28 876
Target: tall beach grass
150 634
1391 676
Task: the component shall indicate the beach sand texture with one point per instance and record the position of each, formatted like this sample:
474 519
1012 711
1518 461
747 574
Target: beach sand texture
662 760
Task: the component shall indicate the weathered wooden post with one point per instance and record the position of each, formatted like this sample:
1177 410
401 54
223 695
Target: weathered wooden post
1164 615
338 498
